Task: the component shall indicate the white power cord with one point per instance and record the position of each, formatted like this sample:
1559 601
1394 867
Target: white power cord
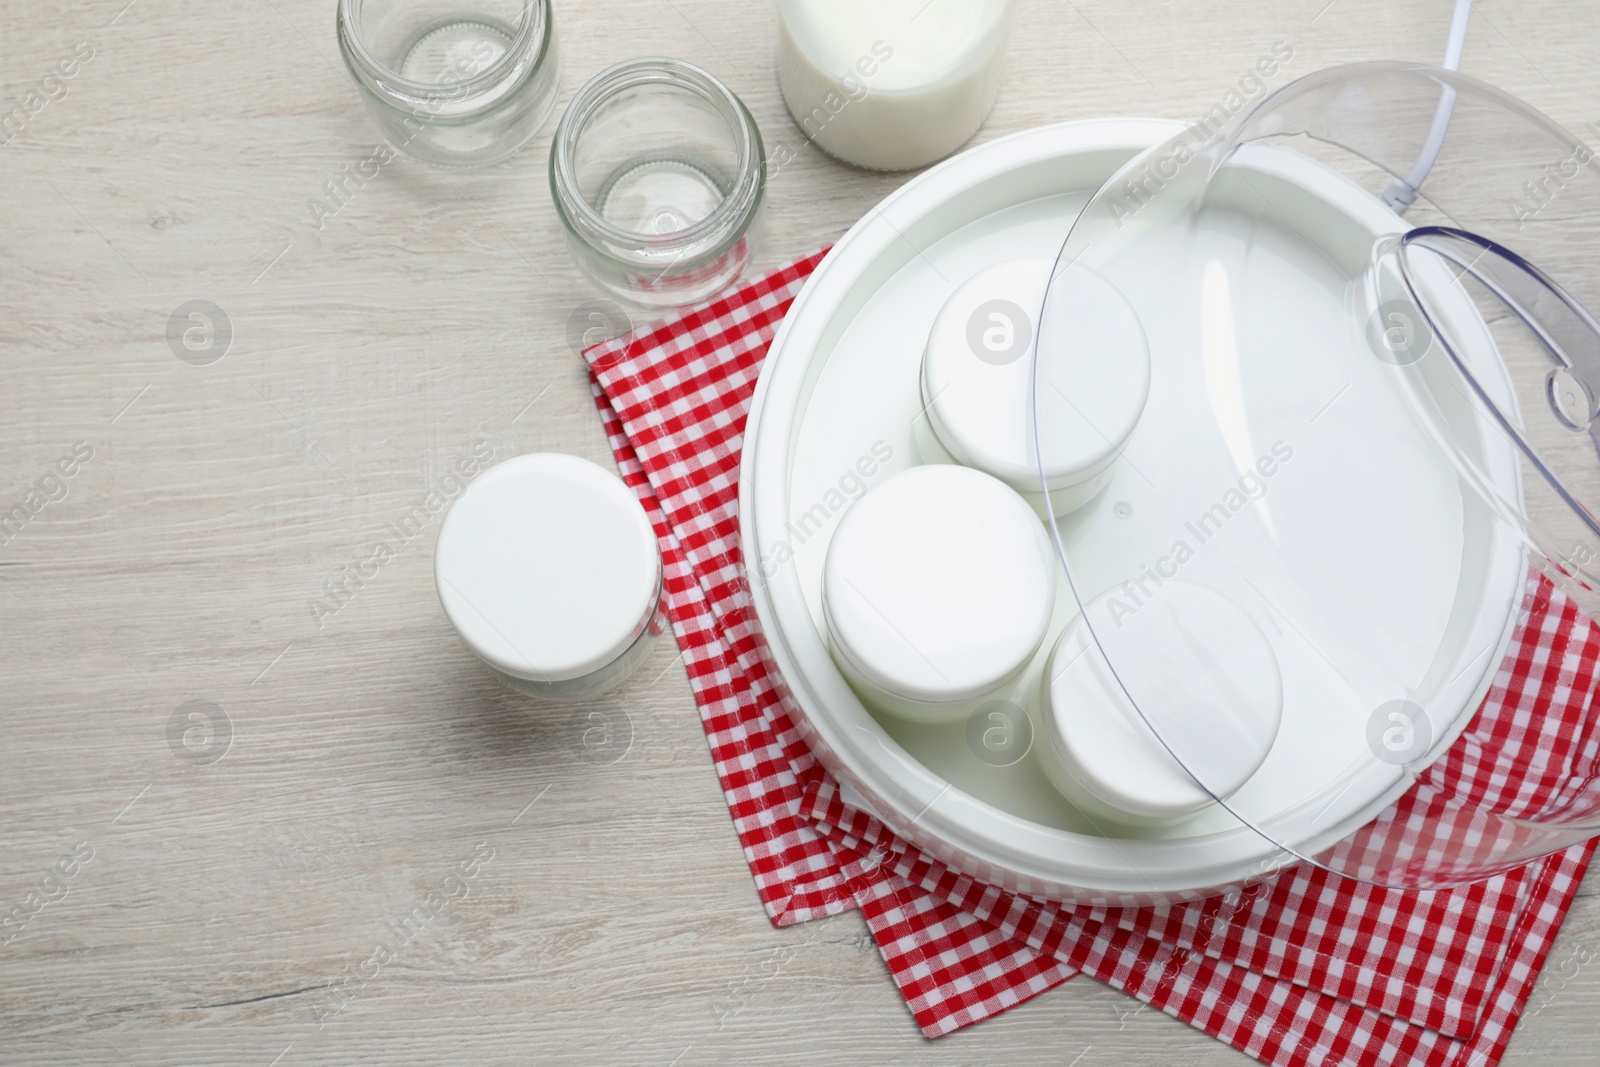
1401 194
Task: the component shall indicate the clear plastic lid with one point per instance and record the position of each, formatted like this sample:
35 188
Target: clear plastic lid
1371 420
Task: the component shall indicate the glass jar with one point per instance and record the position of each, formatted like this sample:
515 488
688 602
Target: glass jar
658 174
453 87
894 84
937 590
549 569
977 370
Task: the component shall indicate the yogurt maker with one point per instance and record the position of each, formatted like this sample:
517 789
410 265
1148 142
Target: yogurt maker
1303 407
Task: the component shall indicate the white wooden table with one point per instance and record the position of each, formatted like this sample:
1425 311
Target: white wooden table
225 911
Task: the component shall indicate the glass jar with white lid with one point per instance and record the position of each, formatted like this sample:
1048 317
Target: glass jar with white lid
549 569
938 588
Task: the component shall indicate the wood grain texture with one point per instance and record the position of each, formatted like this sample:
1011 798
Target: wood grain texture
370 756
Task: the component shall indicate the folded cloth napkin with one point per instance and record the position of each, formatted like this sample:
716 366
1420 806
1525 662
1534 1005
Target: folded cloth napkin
1306 968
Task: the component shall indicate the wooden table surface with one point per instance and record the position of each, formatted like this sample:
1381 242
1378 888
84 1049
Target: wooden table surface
360 759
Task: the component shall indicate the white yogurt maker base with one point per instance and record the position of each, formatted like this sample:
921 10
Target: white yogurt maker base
841 380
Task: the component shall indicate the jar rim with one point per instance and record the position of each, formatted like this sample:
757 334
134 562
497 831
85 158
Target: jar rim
517 60
743 196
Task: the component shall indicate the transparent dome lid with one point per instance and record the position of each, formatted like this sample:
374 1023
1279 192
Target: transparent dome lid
1370 429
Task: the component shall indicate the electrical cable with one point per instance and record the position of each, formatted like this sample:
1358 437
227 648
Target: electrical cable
1402 193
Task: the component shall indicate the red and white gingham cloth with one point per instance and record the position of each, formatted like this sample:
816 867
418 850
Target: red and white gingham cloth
1307 968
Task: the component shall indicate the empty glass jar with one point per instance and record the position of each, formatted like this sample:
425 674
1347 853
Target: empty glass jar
658 174
448 86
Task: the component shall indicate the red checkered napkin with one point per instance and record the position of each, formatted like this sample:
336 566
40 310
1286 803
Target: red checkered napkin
674 398
1429 958
1276 1021
1310 968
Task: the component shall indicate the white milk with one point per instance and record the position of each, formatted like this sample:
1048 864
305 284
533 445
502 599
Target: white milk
891 84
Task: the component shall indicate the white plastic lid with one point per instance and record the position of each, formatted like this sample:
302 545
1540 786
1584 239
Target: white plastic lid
938 584
977 379
1103 744
548 567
